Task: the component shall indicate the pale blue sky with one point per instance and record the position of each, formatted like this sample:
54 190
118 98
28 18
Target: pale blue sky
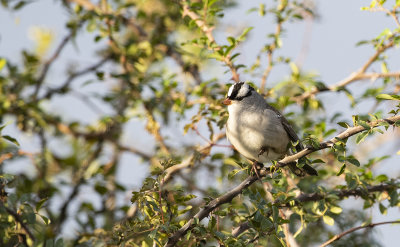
332 54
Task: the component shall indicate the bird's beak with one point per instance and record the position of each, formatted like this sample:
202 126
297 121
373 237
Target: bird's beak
227 101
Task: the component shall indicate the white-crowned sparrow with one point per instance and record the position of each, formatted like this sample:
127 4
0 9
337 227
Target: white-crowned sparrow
257 130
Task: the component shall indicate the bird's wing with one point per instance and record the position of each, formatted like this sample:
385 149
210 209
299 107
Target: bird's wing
294 137
288 128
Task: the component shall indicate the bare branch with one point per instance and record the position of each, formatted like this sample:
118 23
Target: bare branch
73 76
133 150
75 191
227 197
339 236
49 62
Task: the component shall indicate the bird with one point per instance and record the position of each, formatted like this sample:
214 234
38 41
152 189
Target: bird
257 130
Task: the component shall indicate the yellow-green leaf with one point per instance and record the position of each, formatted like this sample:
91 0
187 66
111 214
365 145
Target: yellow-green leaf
336 210
3 62
328 220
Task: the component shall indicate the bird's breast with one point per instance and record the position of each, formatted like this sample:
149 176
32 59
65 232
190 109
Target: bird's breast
251 131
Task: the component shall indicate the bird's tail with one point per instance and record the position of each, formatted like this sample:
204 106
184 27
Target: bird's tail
301 172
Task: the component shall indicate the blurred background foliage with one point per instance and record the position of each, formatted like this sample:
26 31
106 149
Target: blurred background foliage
152 67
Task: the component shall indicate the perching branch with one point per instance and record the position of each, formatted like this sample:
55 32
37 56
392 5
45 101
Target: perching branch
355 76
227 197
339 236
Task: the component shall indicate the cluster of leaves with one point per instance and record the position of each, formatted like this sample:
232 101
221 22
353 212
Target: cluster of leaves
157 52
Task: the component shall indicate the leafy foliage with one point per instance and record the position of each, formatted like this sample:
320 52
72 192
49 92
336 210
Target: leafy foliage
152 68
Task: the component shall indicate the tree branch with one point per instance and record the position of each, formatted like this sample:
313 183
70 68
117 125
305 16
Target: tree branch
339 236
271 50
227 197
208 32
356 76
169 172
49 62
64 87
75 191
18 219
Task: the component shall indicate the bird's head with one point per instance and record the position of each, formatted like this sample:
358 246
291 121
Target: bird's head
238 92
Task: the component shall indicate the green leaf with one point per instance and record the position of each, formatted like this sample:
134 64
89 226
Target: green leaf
364 124
382 209
336 210
135 196
100 189
233 173
244 34
59 243
40 204
328 220
212 222
20 5
261 10
351 181
360 137
318 161
11 139
6 178
266 224
353 161
45 219
382 178
341 170
275 213
3 62
384 67
388 97
394 196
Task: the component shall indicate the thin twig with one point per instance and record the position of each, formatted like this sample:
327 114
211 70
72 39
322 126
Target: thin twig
73 76
18 219
339 236
50 61
355 76
271 50
75 191
169 172
208 32
228 196
390 13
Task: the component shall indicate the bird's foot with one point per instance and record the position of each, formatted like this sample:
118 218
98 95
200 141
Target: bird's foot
263 150
257 166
